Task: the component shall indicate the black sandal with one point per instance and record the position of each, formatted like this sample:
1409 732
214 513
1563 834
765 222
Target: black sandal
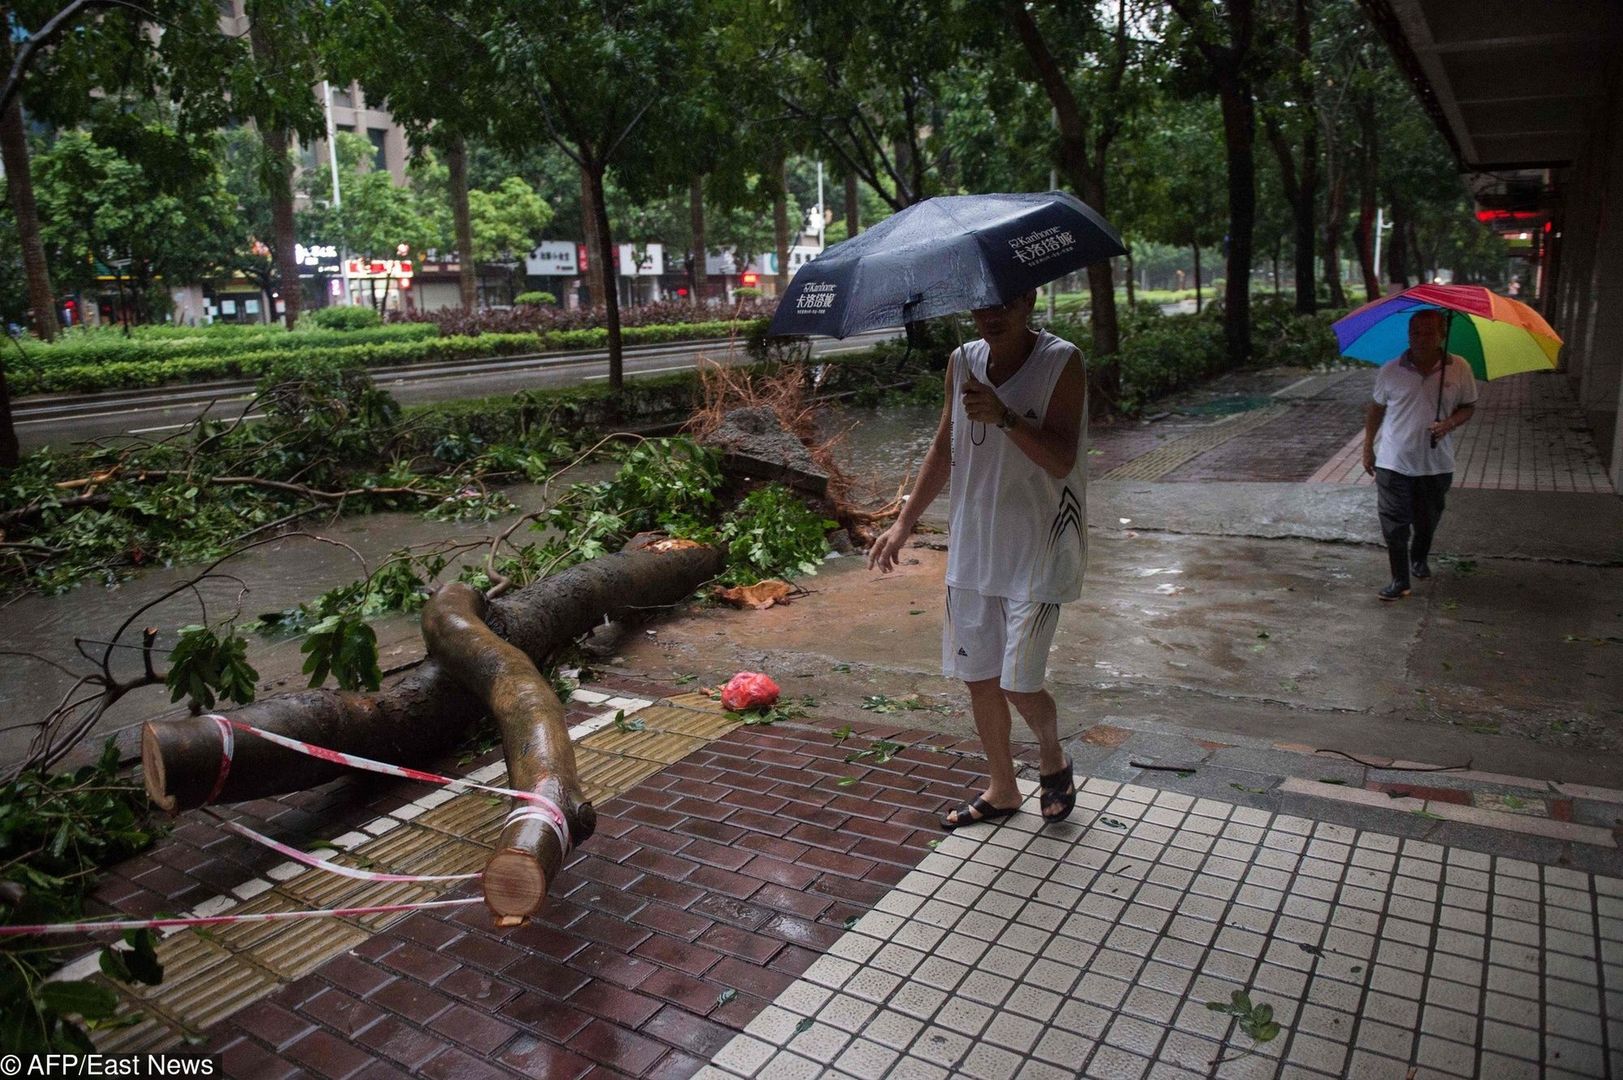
1058 789
976 812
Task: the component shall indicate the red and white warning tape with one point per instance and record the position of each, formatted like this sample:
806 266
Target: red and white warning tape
219 920
331 867
539 806
542 806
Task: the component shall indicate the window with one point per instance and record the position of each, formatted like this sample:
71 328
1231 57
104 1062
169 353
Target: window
342 97
378 137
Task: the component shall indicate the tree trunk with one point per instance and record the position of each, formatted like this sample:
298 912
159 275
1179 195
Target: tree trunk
1397 253
1335 217
1277 292
1239 132
20 186
780 222
696 227
535 741
1368 164
418 718
596 264
853 206
277 141
1197 279
456 159
610 284
1308 176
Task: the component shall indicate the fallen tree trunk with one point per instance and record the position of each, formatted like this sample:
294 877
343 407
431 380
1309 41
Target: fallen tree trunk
535 741
187 764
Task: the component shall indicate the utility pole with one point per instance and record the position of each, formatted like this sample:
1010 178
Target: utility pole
820 213
1380 227
337 199
1053 185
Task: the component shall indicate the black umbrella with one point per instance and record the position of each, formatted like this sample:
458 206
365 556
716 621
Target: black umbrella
943 255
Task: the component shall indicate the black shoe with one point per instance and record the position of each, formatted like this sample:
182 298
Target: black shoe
1421 569
1397 590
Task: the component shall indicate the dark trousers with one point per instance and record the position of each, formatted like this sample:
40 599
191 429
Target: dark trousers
1410 508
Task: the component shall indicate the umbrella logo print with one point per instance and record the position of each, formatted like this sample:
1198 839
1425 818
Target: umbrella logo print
1036 248
815 298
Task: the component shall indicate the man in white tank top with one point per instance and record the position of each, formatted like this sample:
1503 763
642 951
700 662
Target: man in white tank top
1011 444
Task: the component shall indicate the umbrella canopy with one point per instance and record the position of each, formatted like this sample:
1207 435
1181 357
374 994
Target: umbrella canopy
1496 335
944 255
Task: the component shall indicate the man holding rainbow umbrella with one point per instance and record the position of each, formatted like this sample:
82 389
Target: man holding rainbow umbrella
1455 334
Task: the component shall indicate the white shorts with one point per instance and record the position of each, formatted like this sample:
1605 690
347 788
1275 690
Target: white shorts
991 637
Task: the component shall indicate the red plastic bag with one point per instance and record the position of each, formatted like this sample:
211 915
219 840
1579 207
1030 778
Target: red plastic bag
749 690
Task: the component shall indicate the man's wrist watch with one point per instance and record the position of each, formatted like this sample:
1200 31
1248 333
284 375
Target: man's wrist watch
1007 420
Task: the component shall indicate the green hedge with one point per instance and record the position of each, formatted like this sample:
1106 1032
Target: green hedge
81 349
143 366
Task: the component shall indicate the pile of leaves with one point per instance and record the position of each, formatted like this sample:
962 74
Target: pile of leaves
56 832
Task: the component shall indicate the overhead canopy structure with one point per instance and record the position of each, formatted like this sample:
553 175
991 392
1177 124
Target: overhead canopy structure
1530 98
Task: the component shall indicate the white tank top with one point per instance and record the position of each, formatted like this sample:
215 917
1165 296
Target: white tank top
1017 532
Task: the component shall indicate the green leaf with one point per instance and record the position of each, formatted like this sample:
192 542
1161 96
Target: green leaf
851 920
842 733
1112 823
82 997
804 1025
845 781
726 996
1250 790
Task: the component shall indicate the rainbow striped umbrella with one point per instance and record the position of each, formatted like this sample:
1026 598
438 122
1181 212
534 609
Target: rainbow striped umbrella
1498 336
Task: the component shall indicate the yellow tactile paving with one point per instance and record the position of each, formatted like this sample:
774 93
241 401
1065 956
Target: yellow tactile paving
148 1033
475 820
211 973
305 948
694 699
1163 459
650 745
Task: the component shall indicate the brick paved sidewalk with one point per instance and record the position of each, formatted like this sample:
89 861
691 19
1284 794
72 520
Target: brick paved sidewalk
1528 434
765 906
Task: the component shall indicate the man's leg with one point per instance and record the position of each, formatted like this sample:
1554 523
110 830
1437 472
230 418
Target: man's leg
972 650
992 726
1395 504
1042 717
1429 497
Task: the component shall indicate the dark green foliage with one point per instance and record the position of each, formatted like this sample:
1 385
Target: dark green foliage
105 361
55 831
203 664
345 318
772 533
345 647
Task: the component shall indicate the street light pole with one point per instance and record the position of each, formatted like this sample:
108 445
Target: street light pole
1053 185
337 199
820 212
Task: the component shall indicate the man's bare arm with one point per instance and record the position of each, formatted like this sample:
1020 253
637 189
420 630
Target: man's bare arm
1372 424
1053 444
933 475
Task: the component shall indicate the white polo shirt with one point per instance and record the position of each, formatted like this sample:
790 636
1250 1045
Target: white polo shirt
1403 444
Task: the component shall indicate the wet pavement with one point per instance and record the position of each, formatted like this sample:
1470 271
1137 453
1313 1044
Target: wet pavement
1395 825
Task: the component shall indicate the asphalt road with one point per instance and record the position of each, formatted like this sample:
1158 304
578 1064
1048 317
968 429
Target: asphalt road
61 419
